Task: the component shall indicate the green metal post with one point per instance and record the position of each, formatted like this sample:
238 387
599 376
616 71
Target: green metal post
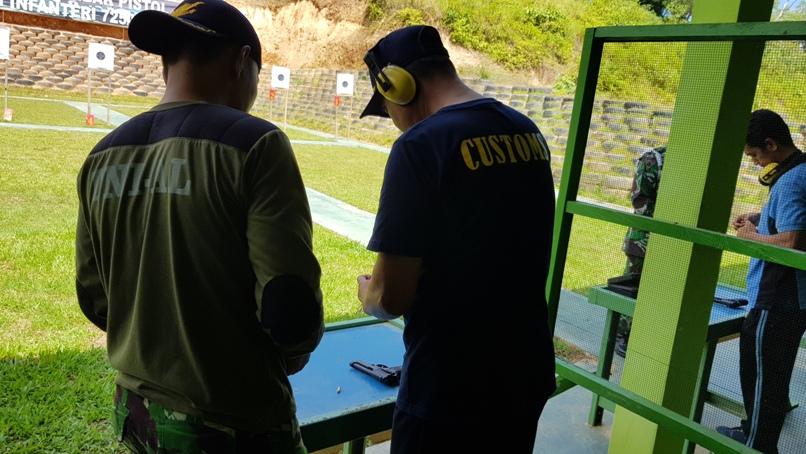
714 101
575 153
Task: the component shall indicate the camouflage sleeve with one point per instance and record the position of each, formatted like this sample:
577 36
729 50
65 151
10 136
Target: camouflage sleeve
280 238
645 184
643 196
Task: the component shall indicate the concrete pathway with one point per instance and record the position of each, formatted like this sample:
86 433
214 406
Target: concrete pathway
55 128
100 112
340 217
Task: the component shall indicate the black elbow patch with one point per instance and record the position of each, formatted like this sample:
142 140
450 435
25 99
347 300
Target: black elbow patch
85 303
289 309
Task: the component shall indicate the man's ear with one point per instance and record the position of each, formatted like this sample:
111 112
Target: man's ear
242 60
770 145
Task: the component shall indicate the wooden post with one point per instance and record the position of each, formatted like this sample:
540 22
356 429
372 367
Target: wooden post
89 90
109 100
285 112
6 86
350 118
336 108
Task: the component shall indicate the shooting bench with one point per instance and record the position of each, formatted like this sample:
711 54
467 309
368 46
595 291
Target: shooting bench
725 324
337 404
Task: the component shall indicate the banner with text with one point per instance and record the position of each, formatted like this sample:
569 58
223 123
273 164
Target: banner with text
111 12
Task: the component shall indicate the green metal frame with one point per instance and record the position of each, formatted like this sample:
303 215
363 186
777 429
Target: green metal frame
568 206
571 376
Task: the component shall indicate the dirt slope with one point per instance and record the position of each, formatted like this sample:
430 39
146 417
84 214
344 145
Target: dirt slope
323 34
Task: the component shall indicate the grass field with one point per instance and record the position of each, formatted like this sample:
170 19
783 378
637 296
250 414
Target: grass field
55 384
55 381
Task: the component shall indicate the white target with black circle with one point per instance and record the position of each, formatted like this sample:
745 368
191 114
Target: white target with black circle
101 56
345 84
5 39
280 77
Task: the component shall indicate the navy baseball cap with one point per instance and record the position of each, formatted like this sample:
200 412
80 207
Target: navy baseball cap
400 48
158 32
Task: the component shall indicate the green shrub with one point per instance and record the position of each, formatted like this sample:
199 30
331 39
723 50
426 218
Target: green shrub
547 17
375 10
464 30
410 16
599 13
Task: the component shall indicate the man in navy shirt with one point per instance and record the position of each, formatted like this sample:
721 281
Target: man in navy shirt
463 235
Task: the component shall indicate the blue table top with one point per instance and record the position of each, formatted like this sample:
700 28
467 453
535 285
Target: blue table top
316 386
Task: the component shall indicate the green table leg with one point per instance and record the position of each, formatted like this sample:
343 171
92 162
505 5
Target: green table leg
605 361
706 364
357 446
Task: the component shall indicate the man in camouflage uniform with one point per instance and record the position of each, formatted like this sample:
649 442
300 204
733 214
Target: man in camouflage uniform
644 193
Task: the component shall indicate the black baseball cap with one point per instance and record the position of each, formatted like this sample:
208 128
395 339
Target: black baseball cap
158 32
400 48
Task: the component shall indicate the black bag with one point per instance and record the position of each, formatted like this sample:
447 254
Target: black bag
626 285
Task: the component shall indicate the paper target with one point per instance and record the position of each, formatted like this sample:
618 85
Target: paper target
101 56
345 84
280 77
4 42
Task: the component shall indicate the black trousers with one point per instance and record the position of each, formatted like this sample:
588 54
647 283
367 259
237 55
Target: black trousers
768 348
510 433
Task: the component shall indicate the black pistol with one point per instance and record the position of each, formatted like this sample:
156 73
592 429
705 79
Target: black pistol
389 376
733 303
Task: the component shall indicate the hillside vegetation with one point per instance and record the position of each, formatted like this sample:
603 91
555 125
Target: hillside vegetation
535 42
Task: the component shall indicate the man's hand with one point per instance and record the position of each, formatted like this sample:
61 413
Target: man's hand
296 364
363 286
745 219
746 230
390 290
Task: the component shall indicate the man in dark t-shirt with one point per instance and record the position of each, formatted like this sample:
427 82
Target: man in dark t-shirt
463 235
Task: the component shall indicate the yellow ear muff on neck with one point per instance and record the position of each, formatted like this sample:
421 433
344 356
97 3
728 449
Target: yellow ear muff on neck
403 86
768 174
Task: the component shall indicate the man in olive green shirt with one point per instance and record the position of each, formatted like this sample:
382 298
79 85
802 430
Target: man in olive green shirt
194 249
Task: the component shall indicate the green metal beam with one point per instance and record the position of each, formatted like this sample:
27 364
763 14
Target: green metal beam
704 32
684 427
730 243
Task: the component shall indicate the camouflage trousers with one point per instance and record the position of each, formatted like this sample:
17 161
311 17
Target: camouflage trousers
148 428
635 264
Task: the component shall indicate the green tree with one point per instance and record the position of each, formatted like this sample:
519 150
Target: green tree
791 10
672 10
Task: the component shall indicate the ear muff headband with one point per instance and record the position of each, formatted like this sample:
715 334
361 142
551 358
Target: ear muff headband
769 174
773 171
392 82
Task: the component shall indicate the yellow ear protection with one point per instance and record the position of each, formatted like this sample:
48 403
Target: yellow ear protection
768 174
773 171
392 82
